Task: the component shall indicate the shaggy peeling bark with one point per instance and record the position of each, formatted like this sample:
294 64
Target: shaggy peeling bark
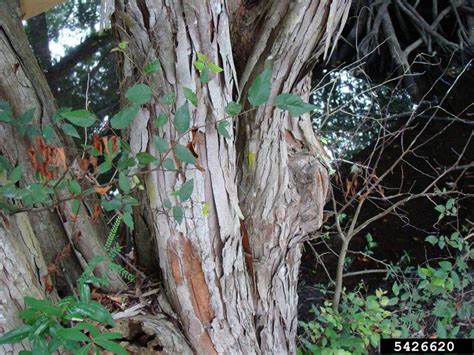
231 277
23 85
22 272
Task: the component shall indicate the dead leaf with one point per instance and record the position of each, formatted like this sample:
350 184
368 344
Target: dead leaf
102 190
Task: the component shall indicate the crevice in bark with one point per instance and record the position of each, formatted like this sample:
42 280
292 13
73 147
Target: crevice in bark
277 216
24 86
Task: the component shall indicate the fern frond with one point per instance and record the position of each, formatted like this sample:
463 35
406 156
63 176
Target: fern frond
122 271
113 233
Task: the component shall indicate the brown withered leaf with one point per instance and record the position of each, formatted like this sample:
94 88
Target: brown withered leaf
96 143
61 157
114 143
52 268
102 190
93 162
95 213
105 141
84 165
48 283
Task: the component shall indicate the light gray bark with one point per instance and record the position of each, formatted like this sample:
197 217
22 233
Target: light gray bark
22 272
23 85
208 275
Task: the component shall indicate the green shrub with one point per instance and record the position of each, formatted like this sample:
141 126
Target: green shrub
359 322
71 324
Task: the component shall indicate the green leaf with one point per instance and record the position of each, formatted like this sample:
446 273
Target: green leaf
84 292
139 94
259 91
441 330
25 118
167 203
84 350
199 66
125 162
76 205
40 326
214 68
293 104
70 130
92 310
111 346
185 191
73 334
201 57
161 145
35 303
182 119
145 158
48 133
441 308
81 118
124 182
432 239
440 208
39 346
128 220
205 209
437 281
16 335
222 129
109 336
59 111
168 99
124 117
396 289
5 164
446 265
152 67
114 204
184 154
450 203
16 174
168 164
5 112
205 75
161 120
233 108
190 95
105 166
178 214
74 187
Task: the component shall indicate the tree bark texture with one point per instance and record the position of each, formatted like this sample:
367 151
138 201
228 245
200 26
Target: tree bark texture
231 276
23 85
22 272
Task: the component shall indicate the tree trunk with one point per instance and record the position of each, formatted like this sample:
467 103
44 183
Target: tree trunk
231 276
22 272
24 87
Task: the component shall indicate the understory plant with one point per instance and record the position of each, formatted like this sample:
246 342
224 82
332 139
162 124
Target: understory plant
359 322
431 300
108 171
78 325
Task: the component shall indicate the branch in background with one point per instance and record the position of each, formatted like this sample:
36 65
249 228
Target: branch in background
39 27
420 21
80 53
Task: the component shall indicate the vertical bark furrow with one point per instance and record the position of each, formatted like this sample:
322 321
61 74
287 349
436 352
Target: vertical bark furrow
285 166
22 272
24 86
272 201
219 307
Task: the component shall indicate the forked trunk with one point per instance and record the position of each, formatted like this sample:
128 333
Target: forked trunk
231 273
